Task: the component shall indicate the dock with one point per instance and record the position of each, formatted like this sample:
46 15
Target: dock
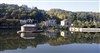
75 29
37 31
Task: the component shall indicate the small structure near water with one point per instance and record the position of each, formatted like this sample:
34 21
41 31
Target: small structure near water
33 28
29 27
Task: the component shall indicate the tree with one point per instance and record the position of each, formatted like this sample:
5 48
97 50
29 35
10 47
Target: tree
87 24
79 23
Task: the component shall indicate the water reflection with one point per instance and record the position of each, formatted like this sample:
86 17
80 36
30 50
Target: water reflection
29 35
65 33
50 34
13 41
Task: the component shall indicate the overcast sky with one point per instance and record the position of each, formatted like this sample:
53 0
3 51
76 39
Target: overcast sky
69 5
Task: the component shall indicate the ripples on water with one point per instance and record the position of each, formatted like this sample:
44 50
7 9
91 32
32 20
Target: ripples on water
49 42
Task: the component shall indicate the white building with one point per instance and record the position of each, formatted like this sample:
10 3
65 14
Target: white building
51 23
29 20
29 27
26 21
23 22
66 23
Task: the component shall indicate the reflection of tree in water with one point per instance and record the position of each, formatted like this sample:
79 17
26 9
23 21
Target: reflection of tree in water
59 41
11 41
76 38
86 38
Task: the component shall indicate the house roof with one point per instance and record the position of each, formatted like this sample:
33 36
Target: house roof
29 25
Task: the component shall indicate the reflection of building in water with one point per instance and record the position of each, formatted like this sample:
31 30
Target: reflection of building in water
28 35
51 34
65 33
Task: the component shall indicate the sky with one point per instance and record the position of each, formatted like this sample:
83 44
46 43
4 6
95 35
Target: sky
69 5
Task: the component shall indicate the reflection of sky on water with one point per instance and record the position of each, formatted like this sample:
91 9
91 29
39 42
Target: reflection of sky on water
70 48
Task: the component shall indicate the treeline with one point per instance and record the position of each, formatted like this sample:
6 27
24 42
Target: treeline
79 19
11 11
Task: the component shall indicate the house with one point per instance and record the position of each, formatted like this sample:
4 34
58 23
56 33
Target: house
65 23
23 22
26 21
29 21
51 23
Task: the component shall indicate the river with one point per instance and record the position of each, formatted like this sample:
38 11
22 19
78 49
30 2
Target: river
49 42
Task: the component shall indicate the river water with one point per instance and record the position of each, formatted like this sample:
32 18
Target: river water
49 42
